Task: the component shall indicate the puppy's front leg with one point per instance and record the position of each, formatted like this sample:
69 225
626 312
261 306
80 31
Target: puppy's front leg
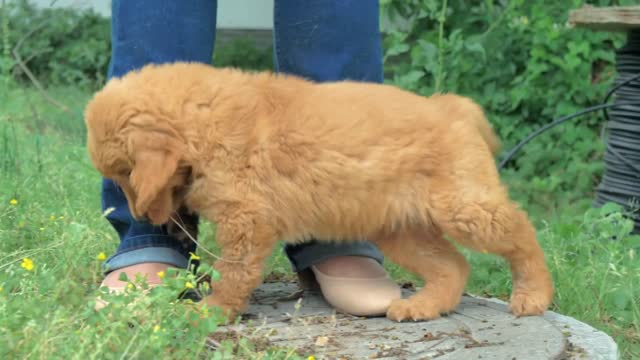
245 243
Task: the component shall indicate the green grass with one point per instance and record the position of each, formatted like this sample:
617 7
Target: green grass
46 312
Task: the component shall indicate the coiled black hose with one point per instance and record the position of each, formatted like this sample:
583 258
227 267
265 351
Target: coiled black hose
621 180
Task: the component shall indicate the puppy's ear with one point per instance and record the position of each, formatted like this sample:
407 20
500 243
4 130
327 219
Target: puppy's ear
156 156
150 176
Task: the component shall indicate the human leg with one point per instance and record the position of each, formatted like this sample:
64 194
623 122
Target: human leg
327 40
144 32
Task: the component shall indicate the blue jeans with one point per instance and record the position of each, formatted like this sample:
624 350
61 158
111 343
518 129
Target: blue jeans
322 40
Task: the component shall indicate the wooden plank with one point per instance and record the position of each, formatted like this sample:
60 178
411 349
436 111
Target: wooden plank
614 18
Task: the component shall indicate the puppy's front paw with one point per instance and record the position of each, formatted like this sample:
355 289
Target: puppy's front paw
228 311
411 309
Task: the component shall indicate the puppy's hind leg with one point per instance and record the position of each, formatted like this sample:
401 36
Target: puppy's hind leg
437 261
488 221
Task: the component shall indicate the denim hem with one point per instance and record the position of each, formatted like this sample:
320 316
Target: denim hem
135 242
149 254
302 256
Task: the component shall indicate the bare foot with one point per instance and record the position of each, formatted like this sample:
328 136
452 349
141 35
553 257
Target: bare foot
351 267
356 285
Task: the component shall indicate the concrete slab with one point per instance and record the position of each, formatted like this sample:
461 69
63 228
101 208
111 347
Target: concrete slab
283 316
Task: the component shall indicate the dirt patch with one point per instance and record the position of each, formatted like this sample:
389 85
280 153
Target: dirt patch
217 339
280 277
573 352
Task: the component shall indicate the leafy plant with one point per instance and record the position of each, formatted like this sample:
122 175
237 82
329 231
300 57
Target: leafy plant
63 46
58 45
526 66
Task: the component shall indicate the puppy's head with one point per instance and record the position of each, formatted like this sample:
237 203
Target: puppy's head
133 143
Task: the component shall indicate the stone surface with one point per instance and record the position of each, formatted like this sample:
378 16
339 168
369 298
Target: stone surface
280 315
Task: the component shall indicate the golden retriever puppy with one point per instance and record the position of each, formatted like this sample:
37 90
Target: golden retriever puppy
268 157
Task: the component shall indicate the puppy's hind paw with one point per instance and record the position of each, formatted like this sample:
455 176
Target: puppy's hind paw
524 304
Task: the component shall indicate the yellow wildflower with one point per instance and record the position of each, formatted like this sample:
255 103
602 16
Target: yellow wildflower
27 264
13 202
156 328
52 218
194 256
160 274
311 357
188 285
130 286
102 256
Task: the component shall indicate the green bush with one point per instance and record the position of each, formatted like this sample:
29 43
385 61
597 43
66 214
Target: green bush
58 45
243 53
62 46
526 66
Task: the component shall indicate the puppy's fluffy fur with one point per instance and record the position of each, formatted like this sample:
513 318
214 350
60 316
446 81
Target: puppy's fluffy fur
269 157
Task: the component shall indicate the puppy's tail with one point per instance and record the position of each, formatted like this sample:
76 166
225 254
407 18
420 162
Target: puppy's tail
487 133
469 111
